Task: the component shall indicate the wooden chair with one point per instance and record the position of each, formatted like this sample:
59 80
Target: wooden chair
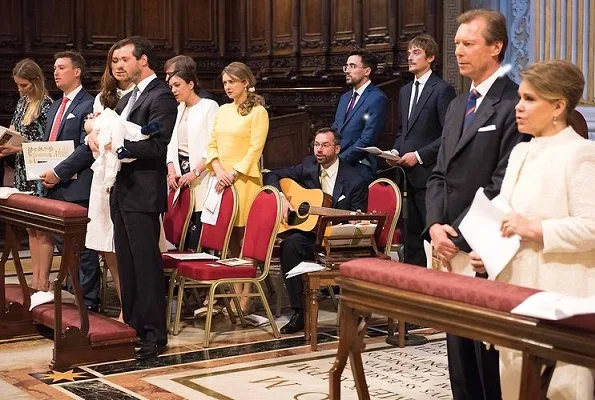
259 237
212 237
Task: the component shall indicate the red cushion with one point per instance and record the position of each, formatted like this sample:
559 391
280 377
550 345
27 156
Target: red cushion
42 205
202 271
382 199
169 262
493 295
260 225
101 328
177 215
13 294
213 236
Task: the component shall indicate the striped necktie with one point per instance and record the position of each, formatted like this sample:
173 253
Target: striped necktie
471 105
324 184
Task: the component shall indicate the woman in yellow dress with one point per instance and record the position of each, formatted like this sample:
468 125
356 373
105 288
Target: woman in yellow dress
239 134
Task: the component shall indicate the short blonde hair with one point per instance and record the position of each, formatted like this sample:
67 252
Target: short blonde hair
556 80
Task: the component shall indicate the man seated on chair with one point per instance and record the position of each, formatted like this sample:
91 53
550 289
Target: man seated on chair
334 177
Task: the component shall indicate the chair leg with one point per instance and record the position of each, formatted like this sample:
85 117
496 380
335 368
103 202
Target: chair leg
181 284
170 299
267 309
209 316
230 313
236 301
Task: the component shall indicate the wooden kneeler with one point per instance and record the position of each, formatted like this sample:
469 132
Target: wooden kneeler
475 308
79 336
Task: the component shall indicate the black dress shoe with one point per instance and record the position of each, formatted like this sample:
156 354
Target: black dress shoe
295 324
149 351
93 308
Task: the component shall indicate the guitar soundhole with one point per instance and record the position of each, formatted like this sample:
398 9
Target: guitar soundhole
299 216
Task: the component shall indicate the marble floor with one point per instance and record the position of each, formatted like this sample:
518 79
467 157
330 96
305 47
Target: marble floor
242 363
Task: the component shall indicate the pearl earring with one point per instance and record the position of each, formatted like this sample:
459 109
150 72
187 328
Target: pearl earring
555 121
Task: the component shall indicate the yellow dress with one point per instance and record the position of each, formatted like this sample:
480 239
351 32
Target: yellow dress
238 142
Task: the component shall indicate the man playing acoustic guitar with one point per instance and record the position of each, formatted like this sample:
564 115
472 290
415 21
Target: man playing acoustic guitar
324 171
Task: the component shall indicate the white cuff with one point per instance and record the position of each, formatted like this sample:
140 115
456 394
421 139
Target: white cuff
418 158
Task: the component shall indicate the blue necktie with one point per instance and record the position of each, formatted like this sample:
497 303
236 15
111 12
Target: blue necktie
471 105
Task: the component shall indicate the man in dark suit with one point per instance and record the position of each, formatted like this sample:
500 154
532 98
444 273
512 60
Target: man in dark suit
420 124
139 195
479 133
336 178
65 121
361 114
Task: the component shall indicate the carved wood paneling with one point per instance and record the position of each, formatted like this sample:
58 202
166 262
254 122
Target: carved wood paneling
287 141
11 25
56 33
200 26
282 28
236 24
376 23
257 27
104 23
342 25
153 19
311 26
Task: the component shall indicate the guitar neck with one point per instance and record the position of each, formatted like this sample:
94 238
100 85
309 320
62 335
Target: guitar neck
328 211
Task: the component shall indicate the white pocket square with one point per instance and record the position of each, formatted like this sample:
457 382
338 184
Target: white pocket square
341 198
71 115
487 128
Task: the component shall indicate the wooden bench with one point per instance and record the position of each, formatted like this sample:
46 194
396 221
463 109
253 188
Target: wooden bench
475 308
79 336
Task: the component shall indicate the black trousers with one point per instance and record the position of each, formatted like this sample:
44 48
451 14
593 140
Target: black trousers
415 224
136 237
296 247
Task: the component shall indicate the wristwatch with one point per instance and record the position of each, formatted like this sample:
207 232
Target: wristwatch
195 172
235 174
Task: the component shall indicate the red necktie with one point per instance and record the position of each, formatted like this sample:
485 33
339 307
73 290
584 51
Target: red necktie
58 120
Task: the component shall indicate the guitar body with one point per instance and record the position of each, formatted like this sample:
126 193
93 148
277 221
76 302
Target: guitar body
302 200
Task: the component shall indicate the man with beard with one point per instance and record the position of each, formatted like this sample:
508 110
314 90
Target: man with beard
361 114
335 177
139 195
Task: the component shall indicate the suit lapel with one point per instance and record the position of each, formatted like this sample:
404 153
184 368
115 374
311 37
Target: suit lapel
425 95
142 97
338 189
358 104
485 111
407 89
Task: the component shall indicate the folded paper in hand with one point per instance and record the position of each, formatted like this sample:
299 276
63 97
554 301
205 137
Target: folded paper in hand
10 137
210 210
303 268
481 229
555 306
392 155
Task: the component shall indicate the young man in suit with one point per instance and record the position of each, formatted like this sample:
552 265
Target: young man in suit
139 195
479 133
361 115
65 121
420 125
337 178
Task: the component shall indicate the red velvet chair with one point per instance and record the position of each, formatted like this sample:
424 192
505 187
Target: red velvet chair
212 237
384 196
259 237
175 226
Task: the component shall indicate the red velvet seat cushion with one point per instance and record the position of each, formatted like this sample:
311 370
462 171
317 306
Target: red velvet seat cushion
170 262
494 295
101 328
204 271
42 205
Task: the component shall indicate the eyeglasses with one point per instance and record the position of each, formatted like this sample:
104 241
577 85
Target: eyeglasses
323 145
351 66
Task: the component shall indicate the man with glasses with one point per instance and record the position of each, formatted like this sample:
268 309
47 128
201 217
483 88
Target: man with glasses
326 171
361 115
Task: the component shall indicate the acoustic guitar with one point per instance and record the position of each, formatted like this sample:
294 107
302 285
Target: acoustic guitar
308 204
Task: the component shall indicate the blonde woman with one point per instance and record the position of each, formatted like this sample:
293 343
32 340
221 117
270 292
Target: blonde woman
239 135
29 120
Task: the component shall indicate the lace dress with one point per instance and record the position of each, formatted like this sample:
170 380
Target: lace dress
34 132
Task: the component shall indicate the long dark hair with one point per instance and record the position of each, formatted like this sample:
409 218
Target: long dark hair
109 84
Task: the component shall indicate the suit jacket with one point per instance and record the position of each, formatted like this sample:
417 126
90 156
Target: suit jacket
350 191
363 126
79 163
423 130
141 186
471 159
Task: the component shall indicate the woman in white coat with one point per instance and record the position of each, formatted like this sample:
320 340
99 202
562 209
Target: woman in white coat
548 185
187 150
